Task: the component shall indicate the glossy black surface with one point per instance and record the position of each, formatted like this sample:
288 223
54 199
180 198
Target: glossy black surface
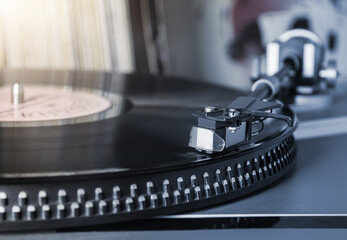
153 133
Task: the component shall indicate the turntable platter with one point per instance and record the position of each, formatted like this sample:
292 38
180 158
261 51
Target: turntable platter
127 163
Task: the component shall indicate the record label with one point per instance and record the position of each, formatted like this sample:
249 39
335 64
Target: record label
49 105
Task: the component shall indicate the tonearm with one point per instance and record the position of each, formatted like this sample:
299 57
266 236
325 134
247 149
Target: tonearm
293 62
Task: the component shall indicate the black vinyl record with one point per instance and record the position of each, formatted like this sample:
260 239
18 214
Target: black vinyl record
130 161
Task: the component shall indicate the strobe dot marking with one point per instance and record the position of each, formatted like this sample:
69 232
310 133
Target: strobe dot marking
212 186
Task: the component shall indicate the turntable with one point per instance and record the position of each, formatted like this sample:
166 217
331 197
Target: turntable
80 149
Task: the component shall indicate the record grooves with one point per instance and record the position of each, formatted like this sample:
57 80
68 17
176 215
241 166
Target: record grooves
130 166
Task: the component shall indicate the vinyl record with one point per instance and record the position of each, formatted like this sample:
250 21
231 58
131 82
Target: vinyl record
89 148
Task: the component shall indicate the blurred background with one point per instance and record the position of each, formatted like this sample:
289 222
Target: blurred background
206 40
